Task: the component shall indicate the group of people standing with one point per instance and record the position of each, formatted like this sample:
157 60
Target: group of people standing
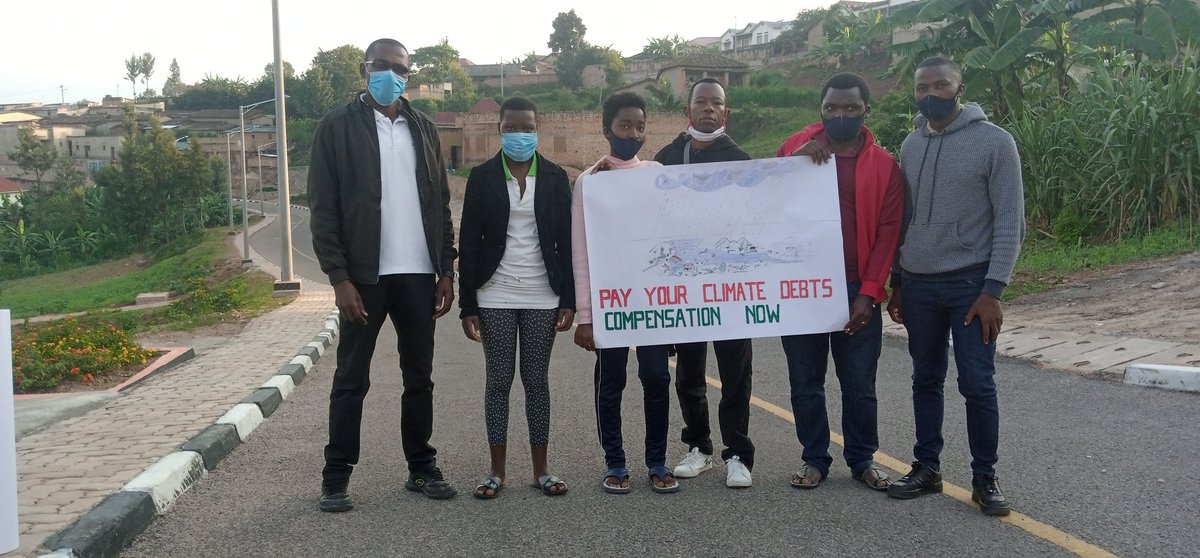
944 227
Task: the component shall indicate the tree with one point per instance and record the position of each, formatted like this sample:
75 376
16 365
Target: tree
432 63
614 69
662 97
1152 28
568 33
289 72
342 64
153 191
666 48
320 98
439 64
529 61
213 92
133 69
174 85
33 156
146 68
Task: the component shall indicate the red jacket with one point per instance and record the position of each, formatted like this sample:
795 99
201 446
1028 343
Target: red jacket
878 208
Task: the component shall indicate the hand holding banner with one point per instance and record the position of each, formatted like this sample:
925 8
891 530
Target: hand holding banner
715 251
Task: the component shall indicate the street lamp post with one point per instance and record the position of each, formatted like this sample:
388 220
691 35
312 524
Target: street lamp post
245 195
287 282
259 151
229 167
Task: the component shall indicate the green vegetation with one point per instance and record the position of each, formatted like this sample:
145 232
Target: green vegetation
1046 263
113 283
760 131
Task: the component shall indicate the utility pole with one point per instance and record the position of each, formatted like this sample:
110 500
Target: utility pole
62 91
501 77
287 283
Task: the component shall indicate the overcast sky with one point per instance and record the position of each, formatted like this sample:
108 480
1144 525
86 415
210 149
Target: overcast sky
82 46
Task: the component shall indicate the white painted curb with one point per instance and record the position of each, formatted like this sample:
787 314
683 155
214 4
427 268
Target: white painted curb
1163 376
304 361
245 417
64 553
281 382
169 478
319 346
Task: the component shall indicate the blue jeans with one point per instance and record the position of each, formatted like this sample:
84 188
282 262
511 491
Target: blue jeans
855 360
934 311
655 373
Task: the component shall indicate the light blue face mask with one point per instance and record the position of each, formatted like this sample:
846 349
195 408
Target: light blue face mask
385 87
519 146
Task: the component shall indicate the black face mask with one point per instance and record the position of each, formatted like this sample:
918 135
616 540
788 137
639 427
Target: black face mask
937 108
842 128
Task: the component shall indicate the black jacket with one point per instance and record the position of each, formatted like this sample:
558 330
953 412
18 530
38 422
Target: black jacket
723 149
484 230
345 189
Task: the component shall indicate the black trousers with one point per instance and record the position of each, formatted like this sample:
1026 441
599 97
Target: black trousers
734 358
409 301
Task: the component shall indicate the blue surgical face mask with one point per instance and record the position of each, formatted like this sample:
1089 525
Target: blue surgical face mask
937 108
842 128
519 146
624 149
385 87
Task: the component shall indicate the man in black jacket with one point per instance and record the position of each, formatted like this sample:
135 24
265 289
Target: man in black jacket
706 142
381 230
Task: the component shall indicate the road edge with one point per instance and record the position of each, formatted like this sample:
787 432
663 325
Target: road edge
112 524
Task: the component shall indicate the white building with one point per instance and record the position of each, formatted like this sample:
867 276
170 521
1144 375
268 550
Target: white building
753 34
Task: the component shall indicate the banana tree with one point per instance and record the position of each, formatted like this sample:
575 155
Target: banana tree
1152 29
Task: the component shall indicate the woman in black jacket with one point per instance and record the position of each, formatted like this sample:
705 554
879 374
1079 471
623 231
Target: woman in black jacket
515 281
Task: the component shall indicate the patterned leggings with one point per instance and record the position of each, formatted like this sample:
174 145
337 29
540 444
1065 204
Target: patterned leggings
500 329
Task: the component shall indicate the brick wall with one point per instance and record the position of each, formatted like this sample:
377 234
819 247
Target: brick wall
571 139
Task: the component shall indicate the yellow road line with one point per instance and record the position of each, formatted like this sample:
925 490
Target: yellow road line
1046 532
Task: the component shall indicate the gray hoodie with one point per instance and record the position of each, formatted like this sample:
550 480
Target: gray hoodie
964 207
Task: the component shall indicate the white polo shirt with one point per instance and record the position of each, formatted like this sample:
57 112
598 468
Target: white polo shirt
402 246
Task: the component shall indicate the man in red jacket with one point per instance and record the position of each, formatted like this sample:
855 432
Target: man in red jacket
871 195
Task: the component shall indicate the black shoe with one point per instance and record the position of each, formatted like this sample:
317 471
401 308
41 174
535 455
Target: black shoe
335 501
986 492
430 483
922 479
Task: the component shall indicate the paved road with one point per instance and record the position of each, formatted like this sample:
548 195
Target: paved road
1110 464
267 242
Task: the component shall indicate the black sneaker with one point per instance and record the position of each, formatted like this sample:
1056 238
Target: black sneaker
336 500
921 480
430 483
986 492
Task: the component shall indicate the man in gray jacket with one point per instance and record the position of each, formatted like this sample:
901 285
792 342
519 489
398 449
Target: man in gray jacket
964 223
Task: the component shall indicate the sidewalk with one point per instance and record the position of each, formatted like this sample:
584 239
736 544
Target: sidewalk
1089 354
66 469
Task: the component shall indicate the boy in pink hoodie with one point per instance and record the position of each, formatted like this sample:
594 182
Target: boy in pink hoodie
624 120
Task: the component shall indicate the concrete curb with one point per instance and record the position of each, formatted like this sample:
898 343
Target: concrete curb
1107 357
104 530
1163 376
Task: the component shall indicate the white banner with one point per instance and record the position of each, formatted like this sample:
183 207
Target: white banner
9 530
715 251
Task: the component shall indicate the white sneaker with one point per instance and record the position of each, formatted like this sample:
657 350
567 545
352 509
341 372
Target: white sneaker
736 473
692 464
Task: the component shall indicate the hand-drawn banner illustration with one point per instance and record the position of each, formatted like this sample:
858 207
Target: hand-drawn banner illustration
715 251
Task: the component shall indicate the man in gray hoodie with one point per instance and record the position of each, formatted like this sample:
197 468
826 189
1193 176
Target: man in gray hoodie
964 223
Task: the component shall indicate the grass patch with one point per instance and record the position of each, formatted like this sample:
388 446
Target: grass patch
115 283
1045 263
760 131
464 171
